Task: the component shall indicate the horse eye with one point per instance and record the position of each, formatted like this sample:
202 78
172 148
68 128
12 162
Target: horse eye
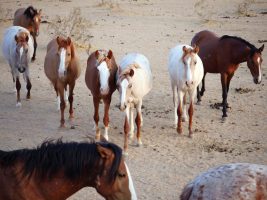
68 54
195 62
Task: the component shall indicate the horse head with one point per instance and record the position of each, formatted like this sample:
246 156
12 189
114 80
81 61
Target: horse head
103 67
65 53
124 85
189 60
118 185
254 64
35 19
21 54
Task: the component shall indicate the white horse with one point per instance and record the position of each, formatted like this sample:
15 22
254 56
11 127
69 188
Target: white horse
134 81
237 181
186 72
18 49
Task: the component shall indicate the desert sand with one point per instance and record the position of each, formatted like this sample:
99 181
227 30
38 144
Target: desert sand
166 161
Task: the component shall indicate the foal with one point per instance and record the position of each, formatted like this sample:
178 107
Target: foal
186 72
62 68
30 19
134 81
100 78
17 49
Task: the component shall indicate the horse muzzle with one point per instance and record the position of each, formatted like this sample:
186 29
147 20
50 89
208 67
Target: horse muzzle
257 80
21 69
123 107
104 91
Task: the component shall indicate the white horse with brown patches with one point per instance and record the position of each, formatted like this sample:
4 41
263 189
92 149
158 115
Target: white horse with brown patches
238 181
17 49
134 81
186 72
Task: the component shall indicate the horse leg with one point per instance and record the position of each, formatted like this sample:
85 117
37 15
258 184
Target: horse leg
179 112
230 76
190 112
28 86
138 123
184 115
131 133
126 131
96 116
203 89
175 101
66 95
224 93
70 98
18 86
58 99
62 104
35 47
106 115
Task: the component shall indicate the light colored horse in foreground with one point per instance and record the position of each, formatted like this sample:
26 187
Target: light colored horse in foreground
17 49
238 181
62 69
100 78
134 81
30 19
186 72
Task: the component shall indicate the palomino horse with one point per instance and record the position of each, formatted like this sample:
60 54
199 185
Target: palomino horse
186 72
62 68
18 49
223 55
100 78
238 181
134 81
56 170
30 19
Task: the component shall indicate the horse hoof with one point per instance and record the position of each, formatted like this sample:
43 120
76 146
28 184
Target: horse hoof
224 119
71 116
105 136
198 103
184 119
33 59
179 130
18 105
62 126
139 143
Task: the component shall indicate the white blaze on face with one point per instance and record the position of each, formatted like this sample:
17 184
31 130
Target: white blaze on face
20 52
104 76
124 86
259 62
131 186
188 74
61 69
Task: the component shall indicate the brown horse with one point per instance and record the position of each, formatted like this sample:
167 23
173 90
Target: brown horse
238 181
56 170
30 19
223 55
62 68
100 78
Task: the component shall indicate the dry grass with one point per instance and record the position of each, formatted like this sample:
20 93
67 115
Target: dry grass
74 26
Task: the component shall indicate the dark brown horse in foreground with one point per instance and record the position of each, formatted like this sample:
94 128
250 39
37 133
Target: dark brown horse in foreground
56 170
100 78
62 69
30 19
238 181
223 55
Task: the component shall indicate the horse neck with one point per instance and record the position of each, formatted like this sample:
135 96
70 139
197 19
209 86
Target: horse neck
241 53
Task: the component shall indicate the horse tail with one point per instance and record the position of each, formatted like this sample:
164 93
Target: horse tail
187 191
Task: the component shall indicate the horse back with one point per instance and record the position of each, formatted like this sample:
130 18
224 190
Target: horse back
20 19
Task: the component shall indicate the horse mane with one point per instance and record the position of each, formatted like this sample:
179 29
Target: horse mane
127 69
30 12
251 46
71 157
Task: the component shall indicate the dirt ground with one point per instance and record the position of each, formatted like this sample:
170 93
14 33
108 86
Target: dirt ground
166 161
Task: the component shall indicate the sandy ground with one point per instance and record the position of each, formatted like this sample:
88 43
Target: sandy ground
166 161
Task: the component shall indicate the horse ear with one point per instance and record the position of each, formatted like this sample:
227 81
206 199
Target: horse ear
104 152
261 48
131 72
196 49
109 54
185 49
96 54
68 41
58 40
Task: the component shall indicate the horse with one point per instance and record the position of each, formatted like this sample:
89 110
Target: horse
56 170
62 68
134 81
17 49
186 72
235 181
30 19
100 78
223 55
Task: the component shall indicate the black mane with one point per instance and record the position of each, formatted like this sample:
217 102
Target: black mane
72 157
251 46
30 12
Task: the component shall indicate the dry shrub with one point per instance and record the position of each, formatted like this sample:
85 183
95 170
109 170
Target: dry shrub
111 4
74 26
243 8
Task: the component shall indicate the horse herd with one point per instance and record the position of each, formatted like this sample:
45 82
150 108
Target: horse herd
56 170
